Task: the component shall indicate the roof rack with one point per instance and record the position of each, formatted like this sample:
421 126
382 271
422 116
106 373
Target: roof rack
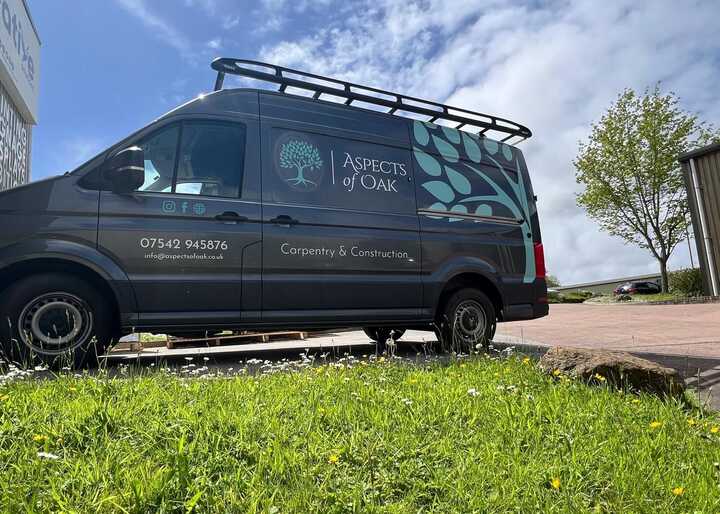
474 122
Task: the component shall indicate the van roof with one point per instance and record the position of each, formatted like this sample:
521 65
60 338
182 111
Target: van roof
371 99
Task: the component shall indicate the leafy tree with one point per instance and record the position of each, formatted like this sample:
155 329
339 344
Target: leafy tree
633 182
302 156
552 280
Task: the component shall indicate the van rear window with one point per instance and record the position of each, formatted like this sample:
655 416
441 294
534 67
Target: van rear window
320 170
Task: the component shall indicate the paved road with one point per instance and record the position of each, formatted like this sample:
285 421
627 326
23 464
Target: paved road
692 329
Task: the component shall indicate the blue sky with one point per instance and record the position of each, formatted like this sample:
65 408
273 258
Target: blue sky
109 67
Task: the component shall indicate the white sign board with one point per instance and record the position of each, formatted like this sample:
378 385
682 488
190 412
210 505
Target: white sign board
19 57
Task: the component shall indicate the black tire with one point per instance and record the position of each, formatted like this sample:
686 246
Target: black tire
381 335
467 319
54 319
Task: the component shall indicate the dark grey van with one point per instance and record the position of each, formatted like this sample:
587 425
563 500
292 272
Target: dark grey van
251 208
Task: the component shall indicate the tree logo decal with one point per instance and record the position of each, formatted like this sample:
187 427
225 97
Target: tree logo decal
457 155
299 163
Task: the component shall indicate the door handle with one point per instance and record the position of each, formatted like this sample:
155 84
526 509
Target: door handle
284 220
230 216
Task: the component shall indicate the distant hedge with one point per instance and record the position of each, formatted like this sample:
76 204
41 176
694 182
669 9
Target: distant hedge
578 297
686 282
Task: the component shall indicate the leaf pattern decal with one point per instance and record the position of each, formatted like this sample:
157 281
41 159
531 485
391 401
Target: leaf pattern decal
421 134
437 206
484 210
507 152
491 146
428 163
511 196
458 181
452 135
440 190
446 149
471 148
458 208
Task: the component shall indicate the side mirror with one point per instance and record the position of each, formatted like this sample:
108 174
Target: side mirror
126 170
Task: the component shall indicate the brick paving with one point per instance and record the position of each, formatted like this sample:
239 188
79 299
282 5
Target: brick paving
687 330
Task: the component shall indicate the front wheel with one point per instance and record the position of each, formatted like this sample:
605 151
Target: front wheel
466 322
54 319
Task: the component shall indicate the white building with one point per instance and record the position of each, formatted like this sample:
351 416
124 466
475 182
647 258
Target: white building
19 81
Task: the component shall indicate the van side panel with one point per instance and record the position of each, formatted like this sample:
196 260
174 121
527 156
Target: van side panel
475 205
343 177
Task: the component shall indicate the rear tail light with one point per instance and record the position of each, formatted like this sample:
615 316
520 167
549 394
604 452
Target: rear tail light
539 261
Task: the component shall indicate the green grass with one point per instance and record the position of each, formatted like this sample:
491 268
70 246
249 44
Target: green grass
483 435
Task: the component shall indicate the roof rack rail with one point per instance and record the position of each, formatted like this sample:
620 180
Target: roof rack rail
318 85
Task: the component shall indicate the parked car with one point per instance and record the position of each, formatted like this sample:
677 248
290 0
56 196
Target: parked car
251 209
638 288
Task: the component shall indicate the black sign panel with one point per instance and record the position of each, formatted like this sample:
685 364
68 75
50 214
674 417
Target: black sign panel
324 171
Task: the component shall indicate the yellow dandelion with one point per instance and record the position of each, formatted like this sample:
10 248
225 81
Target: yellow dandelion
714 430
412 381
555 483
556 373
678 491
40 438
72 389
655 424
4 398
334 458
321 411
691 422
599 377
526 360
636 401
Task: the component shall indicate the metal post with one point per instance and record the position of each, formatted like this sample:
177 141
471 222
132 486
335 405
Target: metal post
707 240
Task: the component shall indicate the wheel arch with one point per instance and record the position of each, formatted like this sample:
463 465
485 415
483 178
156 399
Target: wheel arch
70 257
26 268
470 279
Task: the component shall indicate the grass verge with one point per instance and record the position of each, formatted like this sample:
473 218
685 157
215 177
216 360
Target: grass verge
480 435
636 298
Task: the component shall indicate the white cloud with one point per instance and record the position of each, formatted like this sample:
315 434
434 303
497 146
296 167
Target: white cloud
554 67
214 44
230 22
274 14
210 7
159 26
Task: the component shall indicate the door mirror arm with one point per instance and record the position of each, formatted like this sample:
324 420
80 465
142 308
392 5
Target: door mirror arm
125 171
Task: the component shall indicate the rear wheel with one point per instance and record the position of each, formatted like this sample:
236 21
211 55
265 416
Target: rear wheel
54 319
466 322
381 335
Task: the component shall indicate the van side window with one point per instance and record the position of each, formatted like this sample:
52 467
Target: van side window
209 161
318 170
160 151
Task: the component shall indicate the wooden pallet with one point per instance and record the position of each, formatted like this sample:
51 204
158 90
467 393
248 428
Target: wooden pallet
262 337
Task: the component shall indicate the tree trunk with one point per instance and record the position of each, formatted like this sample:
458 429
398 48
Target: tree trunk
664 275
